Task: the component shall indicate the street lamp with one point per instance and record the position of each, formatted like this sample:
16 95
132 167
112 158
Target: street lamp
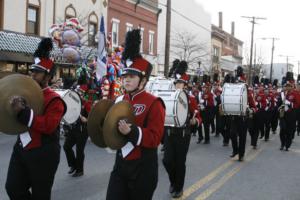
273 48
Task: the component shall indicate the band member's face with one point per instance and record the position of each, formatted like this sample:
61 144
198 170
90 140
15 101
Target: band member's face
131 82
39 77
288 88
179 85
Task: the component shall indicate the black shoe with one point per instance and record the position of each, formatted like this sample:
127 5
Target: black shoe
177 194
241 158
266 139
206 142
286 149
281 148
77 174
233 154
261 137
217 135
171 189
225 144
72 170
199 140
298 133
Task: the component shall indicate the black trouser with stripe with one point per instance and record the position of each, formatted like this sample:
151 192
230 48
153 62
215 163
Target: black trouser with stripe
208 119
177 146
78 136
287 128
238 134
274 120
32 169
134 179
225 122
268 120
261 121
253 129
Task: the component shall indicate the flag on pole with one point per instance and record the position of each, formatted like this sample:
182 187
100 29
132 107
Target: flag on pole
101 59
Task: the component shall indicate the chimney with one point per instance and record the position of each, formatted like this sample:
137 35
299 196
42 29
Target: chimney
220 20
232 28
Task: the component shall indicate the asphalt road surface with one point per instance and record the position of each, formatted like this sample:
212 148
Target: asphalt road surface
266 174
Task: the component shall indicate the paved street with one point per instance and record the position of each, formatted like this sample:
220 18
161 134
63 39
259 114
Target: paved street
266 173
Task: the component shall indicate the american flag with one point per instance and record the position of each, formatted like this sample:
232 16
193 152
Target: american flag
101 60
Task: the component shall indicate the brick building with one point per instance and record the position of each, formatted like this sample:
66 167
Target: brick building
226 48
124 15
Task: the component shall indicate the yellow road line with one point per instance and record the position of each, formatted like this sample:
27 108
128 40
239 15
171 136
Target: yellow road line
213 188
193 188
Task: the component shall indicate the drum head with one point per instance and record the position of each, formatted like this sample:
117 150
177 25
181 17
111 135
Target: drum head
182 108
234 99
73 102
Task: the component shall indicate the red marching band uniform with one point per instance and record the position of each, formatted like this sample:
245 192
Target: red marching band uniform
207 104
33 165
135 173
288 112
177 139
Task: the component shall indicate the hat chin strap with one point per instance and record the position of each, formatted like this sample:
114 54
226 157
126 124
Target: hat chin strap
137 89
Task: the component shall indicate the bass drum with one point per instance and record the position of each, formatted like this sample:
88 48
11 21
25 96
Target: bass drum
73 103
160 84
234 99
177 107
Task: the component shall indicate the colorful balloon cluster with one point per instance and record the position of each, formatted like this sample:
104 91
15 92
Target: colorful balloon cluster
67 38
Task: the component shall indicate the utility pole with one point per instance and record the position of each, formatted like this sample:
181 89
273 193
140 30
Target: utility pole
272 55
253 21
167 43
287 61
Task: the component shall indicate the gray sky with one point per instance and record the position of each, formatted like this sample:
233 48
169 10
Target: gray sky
282 22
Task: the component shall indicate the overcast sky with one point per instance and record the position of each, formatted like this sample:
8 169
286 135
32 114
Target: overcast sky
282 22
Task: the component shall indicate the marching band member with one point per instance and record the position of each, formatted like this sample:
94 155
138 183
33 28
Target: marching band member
238 127
207 111
178 138
135 173
225 119
291 101
76 134
271 106
36 154
252 113
217 91
261 103
275 116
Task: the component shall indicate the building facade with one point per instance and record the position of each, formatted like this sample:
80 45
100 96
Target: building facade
226 48
125 15
34 18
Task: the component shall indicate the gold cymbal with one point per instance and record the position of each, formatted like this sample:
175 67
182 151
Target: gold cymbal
96 120
18 85
112 137
6 73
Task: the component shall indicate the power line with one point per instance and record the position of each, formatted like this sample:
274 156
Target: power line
185 17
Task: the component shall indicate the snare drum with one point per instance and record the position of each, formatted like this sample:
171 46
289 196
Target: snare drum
177 107
234 99
73 103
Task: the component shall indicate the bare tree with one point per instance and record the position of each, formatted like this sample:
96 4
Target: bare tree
185 46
